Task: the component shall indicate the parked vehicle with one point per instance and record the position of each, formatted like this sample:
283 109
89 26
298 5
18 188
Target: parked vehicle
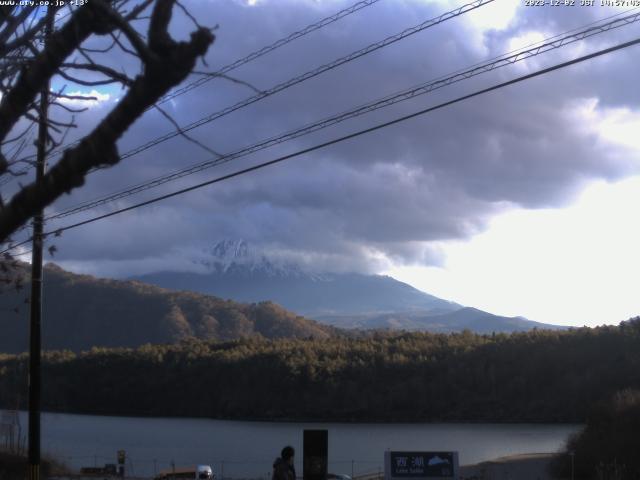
338 476
198 472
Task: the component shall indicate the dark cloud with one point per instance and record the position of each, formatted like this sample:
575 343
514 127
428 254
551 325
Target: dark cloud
389 196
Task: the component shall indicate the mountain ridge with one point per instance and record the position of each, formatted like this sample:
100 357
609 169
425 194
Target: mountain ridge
236 270
82 311
466 318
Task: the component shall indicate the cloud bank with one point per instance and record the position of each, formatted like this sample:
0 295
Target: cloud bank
390 197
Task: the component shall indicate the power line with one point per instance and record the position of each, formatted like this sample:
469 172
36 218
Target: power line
579 29
235 64
269 48
305 76
16 245
404 95
311 74
346 137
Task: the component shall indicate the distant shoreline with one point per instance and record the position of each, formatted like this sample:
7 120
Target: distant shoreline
526 466
303 420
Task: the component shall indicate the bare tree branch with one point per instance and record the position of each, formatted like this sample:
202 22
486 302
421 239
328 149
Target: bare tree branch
168 64
145 53
24 38
134 14
188 14
86 20
116 39
103 50
69 109
186 136
13 23
231 79
114 75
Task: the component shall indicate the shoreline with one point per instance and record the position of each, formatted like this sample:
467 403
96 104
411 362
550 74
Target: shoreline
307 420
526 466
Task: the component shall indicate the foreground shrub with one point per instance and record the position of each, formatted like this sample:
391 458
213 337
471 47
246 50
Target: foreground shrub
609 445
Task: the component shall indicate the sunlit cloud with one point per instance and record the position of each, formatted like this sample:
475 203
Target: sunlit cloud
573 266
621 126
495 16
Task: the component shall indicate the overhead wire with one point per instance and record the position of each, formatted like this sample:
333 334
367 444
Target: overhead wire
269 48
422 89
239 62
354 55
311 74
538 73
303 77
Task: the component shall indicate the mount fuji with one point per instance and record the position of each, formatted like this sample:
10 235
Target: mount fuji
237 271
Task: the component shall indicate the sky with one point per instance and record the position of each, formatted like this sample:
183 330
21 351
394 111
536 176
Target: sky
519 202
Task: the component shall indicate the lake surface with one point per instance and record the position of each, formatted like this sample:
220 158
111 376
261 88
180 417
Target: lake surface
247 449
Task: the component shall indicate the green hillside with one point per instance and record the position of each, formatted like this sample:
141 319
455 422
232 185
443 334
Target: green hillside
81 311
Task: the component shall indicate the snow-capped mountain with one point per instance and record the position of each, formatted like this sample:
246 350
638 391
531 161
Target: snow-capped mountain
234 269
238 271
239 258
236 256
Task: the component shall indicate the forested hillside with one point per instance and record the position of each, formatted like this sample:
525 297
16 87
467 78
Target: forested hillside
82 311
537 376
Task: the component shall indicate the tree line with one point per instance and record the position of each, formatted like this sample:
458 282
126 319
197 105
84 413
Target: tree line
537 376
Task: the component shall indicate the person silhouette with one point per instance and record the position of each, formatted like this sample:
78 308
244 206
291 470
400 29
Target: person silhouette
283 468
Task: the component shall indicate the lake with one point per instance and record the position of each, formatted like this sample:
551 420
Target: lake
247 449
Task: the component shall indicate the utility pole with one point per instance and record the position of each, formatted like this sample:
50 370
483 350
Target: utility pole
35 341
572 463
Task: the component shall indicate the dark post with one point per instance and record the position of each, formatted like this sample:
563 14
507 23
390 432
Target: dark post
122 457
35 342
572 464
315 455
